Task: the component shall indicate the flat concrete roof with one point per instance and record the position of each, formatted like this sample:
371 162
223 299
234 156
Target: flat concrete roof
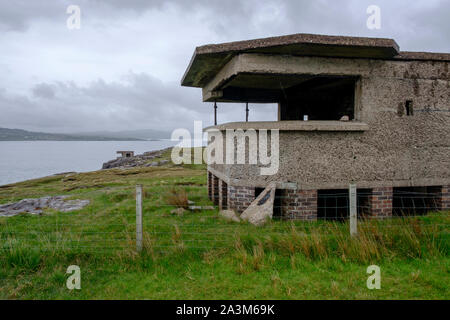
209 59
293 125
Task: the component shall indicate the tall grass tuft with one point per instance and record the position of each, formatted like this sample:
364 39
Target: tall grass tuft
176 197
404 238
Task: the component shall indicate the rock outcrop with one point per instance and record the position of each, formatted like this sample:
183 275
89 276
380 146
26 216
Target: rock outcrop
141 160
261 209
36 206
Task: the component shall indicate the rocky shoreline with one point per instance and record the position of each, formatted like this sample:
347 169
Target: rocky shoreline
147 159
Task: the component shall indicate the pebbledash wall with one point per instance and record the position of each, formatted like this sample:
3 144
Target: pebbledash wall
393 150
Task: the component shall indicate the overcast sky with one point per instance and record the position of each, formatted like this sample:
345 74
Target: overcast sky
122 69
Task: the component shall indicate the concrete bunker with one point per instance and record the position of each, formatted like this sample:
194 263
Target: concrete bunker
394 134
126 154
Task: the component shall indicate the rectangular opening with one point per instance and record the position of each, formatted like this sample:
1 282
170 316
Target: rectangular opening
277 204
409 108
334 204
320 98
414 200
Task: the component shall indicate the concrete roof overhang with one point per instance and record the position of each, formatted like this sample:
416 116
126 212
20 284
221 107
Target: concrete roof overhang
209 60
260 78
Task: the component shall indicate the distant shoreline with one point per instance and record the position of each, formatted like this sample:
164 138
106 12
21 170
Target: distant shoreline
7 134
82 140
25 160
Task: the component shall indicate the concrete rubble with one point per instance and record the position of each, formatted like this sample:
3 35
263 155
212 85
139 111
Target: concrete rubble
261 209
229 215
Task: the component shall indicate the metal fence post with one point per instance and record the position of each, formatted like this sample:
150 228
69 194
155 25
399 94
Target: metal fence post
353 217
139 217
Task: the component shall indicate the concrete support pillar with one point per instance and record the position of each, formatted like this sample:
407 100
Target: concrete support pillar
223 195
299 204
380 202
215 189
209 184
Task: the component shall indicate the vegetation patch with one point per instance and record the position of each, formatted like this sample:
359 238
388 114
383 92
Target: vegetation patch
203 256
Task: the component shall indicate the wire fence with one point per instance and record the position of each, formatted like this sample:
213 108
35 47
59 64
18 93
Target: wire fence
184 217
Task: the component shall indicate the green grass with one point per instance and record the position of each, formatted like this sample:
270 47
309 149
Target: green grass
198 255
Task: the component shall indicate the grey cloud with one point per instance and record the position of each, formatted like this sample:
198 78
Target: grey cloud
43 90
117 33
17 15
139 101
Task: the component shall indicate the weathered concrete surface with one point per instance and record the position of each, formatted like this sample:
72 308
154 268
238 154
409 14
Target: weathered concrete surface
284 67
36 206
396 150
380 147
229 215
209 59
294 125
261 209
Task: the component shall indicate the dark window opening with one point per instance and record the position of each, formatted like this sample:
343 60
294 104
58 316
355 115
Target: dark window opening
334 204
277 204
320 98
414 200
409 108
224 195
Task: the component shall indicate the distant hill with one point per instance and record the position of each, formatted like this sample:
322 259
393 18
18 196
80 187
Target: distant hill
145 134
23 135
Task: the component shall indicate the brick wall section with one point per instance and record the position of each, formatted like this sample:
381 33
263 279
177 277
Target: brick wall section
380 202
223 195
209 184
215 189
445 197
299 204
442 200
239 198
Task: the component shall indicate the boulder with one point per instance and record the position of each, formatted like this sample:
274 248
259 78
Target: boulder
261 209
229 215
178 211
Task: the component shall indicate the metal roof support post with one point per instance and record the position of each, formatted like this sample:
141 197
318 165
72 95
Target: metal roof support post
215 113
246 112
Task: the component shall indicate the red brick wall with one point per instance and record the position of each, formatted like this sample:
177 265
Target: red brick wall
209 184
380 202
299 204
223 195
445 197
239 198
215 189
442 197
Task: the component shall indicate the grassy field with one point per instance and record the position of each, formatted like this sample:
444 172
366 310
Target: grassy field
198 255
